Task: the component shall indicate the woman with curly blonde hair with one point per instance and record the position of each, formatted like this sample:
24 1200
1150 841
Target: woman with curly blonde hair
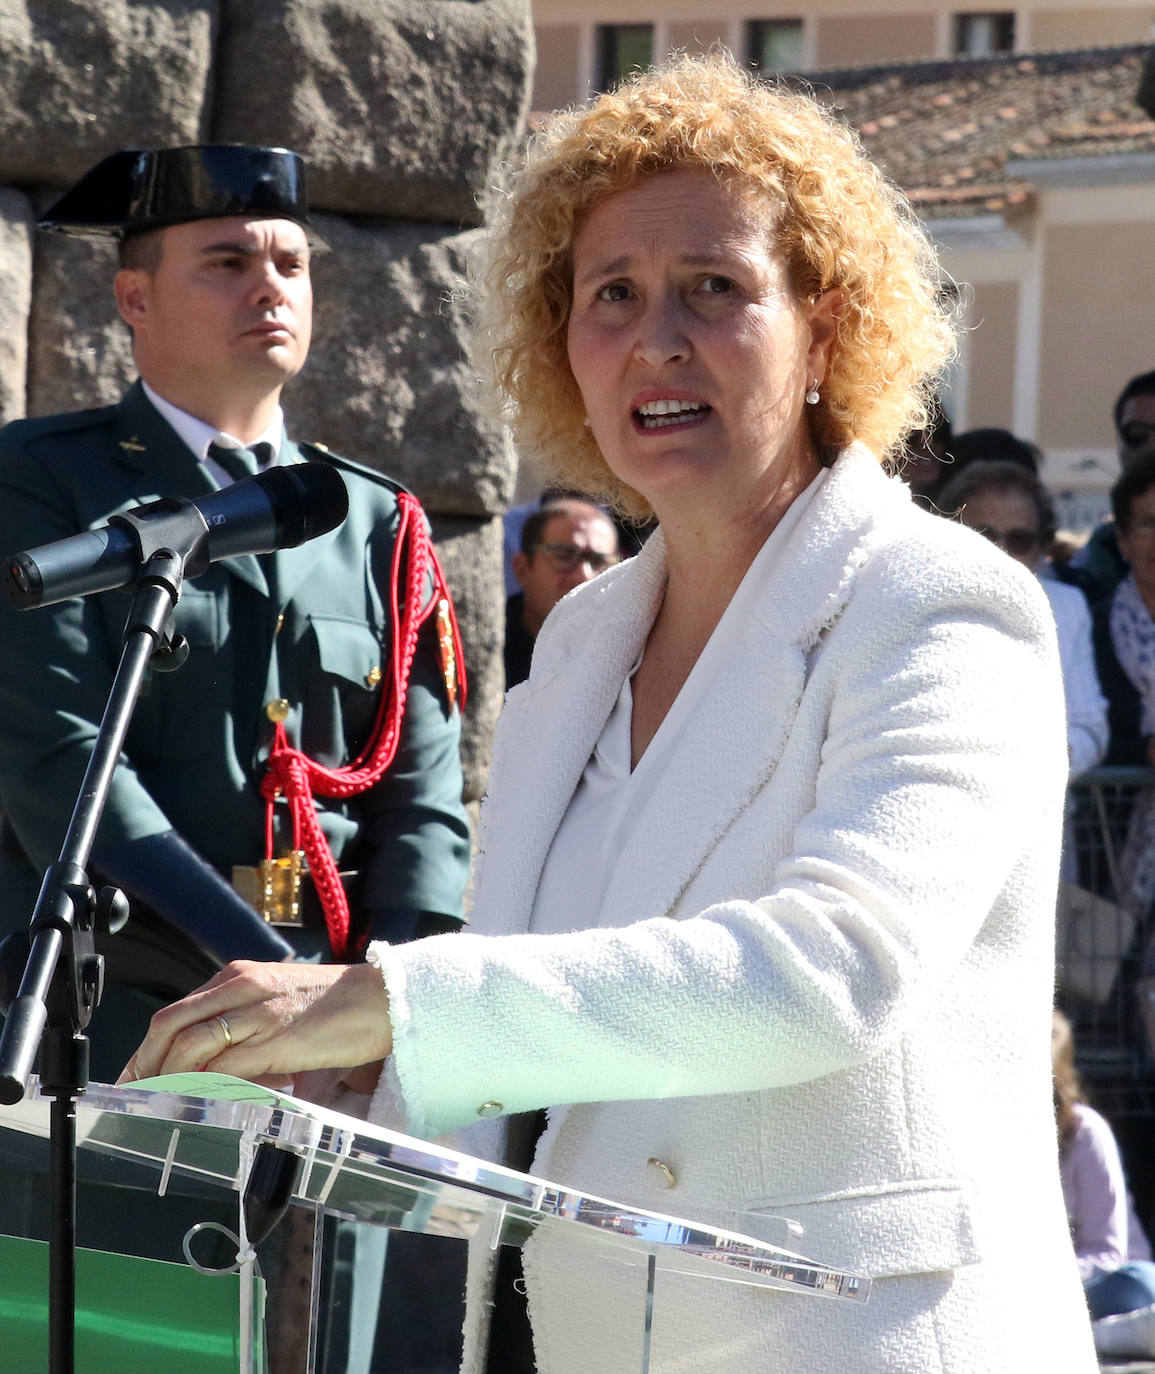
835 220
766 891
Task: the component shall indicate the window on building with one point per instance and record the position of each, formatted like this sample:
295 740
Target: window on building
976 35
623 48
774 45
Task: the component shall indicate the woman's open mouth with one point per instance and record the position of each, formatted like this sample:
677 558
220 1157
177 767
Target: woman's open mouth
670 414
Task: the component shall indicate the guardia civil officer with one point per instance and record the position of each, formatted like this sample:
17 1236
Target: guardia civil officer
295 788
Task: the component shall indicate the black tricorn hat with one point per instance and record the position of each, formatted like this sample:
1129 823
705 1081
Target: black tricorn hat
136 190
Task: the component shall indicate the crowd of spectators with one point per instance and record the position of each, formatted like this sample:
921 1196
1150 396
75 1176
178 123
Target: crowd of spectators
1102 592
1004 499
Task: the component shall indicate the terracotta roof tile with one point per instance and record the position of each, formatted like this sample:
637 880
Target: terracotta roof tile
932 125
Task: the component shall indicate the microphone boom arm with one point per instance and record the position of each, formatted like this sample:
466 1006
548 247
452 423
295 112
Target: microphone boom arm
152 550
63 976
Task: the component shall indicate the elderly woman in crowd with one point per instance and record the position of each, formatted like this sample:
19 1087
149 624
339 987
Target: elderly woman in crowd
1006 501
1125 622
765 899
1124 635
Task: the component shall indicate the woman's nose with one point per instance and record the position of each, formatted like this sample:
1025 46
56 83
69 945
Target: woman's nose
662 336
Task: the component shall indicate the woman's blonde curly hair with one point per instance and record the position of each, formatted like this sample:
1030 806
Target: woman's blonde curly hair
834 217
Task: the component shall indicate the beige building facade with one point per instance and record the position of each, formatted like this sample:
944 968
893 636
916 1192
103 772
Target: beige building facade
1055 313
1035 174
573 51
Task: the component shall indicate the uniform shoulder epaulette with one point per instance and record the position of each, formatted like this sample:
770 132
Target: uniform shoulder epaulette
319 451
37 426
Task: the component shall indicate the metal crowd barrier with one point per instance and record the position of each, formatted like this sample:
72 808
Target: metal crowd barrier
1105 937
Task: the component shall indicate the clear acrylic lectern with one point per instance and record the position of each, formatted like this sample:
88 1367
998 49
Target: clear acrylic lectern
206 1207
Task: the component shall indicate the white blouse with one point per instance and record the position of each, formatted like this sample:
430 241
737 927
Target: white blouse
609 798
1087 731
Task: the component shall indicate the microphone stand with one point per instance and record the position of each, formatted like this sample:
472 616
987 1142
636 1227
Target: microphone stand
63 977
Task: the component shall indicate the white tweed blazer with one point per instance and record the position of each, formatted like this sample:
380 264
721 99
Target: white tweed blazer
830 969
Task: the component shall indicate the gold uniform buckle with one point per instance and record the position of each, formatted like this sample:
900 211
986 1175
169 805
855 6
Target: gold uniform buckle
274 888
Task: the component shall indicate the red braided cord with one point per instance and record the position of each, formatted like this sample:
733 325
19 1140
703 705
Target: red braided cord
299 778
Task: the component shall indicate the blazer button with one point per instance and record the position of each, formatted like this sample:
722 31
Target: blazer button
491 1109
660 1174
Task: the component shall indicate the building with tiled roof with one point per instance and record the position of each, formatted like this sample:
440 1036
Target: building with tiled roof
964 136
583 44
1036 175
1027 143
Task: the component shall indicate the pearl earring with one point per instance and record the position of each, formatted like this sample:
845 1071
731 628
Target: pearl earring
812 396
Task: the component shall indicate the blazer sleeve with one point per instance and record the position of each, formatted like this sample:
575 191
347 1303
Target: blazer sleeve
944 741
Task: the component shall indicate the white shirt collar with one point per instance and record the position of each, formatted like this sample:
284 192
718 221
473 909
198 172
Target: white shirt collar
198 436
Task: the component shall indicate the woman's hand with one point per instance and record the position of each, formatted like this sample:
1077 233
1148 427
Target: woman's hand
268 1022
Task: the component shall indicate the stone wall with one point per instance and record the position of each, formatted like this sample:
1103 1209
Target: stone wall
402 110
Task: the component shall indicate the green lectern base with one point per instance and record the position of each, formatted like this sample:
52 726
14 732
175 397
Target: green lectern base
133 1316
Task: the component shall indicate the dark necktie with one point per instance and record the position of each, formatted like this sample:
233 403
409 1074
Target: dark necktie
241 462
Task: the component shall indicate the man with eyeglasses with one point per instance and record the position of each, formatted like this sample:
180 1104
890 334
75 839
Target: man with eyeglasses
1099 566
563 544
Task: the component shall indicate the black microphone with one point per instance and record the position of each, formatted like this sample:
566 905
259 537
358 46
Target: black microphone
278 509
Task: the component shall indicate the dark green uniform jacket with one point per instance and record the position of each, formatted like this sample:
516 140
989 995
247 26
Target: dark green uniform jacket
185 803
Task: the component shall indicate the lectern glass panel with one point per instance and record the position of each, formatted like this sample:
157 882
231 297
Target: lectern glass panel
258 1192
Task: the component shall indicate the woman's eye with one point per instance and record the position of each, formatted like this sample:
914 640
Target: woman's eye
614 291
716 285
